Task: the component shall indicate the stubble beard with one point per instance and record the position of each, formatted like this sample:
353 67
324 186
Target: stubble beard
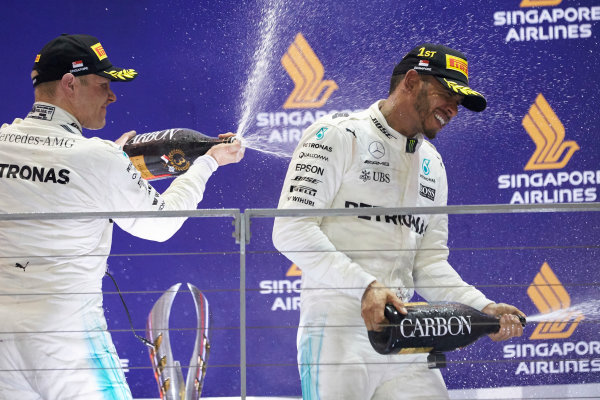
422 109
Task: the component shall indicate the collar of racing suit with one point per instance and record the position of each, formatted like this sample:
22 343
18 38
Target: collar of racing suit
392 136
51 114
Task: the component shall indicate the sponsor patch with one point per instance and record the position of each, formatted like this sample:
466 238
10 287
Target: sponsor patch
382 128
303 189
313 155
375 176
99 50
417 224
364 175
377 149
427 192
385 163
302 200
321 133
40 111
425 166
411 145
314 169
34 173
339 115
308 179
457 64
318 146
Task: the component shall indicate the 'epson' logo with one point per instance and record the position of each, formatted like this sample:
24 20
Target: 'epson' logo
318 146
310 168
153 136
427 192
33 174
436 327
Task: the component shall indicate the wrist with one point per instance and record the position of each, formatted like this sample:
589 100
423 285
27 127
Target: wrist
368 289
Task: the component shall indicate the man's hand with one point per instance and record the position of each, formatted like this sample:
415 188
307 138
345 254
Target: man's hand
510 325
125 138
373 304
227 153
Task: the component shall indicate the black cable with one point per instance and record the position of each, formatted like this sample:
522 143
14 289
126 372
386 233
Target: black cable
142 339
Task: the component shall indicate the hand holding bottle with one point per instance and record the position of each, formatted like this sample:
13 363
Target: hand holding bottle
373 302
510 325
125 138
227 153
437 327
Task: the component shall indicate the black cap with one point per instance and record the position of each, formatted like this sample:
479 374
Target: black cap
448 66
79 55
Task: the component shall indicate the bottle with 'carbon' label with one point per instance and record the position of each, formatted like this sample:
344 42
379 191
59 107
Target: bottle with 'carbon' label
432 327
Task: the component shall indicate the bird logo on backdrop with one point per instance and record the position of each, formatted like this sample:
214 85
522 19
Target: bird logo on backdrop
303 66
548 134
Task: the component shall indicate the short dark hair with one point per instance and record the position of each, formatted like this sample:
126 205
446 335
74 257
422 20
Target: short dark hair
395 81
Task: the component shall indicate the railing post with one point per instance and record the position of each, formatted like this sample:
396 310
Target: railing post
242 233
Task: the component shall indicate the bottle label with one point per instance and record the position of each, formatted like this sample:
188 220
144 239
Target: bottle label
438 326
413 350
178 160
139 164
153 136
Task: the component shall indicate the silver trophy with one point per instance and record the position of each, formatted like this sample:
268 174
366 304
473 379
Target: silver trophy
166 369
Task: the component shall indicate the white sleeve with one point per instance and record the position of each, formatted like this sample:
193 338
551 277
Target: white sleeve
128 191
312 182
434 277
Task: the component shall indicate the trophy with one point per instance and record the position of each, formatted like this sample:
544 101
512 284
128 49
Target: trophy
167 370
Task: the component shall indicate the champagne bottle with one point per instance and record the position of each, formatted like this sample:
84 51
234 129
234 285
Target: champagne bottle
432 328
168 153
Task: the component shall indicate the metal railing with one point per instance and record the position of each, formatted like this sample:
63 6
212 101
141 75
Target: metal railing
242 231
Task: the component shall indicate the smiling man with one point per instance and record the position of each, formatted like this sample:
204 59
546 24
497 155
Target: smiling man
54 342
353 266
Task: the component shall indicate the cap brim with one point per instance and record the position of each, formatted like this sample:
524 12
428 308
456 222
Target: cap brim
116 74
473 100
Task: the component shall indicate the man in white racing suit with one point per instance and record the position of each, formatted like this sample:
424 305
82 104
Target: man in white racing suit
54 342
352 266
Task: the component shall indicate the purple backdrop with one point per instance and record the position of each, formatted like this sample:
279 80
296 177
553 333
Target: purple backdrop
202 65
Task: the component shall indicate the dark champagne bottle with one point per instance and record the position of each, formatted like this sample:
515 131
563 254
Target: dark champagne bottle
432 328
168 153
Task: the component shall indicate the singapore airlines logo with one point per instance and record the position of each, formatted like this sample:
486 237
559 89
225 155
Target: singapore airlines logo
548 134
306 71
539 3
294 271
549 296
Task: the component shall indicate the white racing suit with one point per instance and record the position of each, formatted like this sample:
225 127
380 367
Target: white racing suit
54 342
359 161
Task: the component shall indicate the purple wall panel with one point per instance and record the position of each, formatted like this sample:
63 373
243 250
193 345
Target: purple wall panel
198 69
